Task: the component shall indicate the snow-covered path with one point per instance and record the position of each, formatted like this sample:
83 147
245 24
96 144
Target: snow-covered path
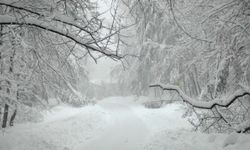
125 131
116 123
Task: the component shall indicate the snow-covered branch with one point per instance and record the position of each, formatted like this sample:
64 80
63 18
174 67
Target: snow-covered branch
30 21
223 101
59 18
243 127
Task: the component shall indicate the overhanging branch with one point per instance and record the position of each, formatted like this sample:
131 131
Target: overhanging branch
62 19
9 20
222 102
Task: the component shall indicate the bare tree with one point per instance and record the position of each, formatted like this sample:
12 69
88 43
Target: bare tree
76 20
41 42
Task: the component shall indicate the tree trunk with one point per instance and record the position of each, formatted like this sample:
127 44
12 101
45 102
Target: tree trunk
0 113
1 34
12 118
5 115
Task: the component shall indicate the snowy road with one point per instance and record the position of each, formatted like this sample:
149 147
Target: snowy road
126 131
116 123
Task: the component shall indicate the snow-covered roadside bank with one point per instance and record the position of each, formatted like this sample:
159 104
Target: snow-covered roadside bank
170 131
62 129
186 140
168 117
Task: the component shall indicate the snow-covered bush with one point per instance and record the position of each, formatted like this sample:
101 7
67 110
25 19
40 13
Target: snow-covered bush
28 114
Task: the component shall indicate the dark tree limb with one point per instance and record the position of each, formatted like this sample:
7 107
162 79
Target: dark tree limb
222 102
12 118
9 20
5 115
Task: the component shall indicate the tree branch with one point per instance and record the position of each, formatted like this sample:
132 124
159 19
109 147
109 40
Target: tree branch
62 19
222 102
9 20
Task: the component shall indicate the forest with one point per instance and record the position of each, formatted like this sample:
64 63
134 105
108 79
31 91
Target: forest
185 61
200 51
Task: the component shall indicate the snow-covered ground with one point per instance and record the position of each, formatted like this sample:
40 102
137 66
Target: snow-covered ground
62 129
116 123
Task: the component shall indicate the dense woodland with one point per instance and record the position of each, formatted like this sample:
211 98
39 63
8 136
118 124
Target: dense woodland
196 51
44 47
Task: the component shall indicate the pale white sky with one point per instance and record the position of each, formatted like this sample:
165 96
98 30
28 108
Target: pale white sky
101 71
